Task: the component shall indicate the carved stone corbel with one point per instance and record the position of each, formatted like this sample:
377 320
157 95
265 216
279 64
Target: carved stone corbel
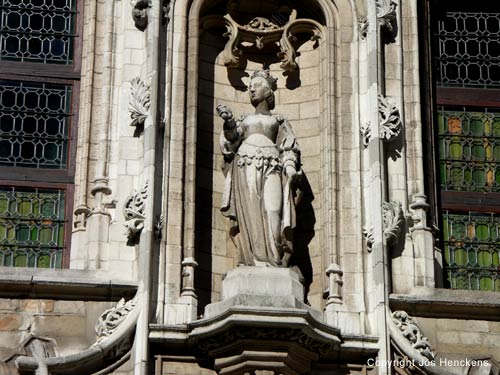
140 13
393 219
369 238
139 104
110 319
386 16
389 118
410 330
261 31
134 212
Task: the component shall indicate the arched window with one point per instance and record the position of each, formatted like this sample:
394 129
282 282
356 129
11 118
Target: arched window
39 75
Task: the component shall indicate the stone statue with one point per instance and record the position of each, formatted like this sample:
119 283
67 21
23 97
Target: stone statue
261 164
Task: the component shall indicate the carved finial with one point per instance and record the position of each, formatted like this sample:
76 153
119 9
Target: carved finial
264 73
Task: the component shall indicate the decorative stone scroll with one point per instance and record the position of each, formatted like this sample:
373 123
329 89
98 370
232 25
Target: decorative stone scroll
134 212
140 13
111 319
393 221
390 119
139 103
261 31
386 15
412 333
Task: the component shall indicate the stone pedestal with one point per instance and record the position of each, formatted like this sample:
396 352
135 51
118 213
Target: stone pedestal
262 324
261 287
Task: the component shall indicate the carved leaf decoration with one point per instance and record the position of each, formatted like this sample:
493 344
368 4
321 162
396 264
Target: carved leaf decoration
111 319
393 218
134 212
410 330
366 133
386 14
390 119
140 102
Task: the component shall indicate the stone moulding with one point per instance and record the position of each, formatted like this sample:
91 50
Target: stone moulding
261 31
389 118
393 219
134 213
139 103
140 13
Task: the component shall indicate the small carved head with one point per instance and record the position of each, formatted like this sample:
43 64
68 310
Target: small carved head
262 86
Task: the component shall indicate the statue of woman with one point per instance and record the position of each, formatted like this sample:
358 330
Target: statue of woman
262 159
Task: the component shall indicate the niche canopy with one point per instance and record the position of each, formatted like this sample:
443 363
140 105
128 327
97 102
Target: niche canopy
261 31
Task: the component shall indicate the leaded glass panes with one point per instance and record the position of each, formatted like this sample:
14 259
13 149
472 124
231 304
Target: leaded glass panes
31 227
469 150
472 250
34 124
37 30
469 49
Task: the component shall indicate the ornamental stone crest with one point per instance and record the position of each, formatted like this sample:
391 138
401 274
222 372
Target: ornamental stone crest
111 319
262 31
393 219
134 212
139 103
140 13
390 119
410 330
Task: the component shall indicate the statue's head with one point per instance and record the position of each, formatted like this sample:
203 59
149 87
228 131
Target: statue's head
262 86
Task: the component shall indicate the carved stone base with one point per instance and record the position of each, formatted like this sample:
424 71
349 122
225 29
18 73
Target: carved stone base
262 324
261 287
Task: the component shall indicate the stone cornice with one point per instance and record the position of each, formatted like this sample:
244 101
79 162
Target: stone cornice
64 284
449 304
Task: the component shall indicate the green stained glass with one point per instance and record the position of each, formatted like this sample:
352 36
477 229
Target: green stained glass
31 227
469 150
472 250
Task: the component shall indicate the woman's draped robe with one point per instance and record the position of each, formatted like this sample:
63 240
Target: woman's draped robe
248 163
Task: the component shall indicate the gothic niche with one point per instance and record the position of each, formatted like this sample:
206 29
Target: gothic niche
238 38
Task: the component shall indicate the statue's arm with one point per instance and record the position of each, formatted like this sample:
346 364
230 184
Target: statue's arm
289 148
232 131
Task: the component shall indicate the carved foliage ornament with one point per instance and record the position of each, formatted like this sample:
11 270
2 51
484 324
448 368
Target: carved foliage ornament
412 333
390 119
261 31
140 13
140 101
386 14
111 319
366 133
363 27
393 219
134 212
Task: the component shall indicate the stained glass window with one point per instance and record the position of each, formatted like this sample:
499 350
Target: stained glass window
466 123
31 227
472 250
34 124
469 150
39 31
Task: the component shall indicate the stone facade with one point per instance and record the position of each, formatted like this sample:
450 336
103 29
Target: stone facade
149 187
